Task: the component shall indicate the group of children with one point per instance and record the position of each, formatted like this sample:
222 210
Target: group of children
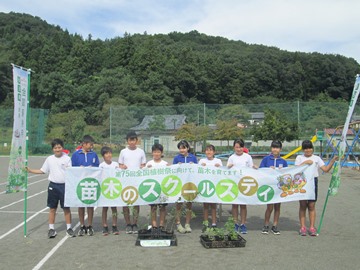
133 157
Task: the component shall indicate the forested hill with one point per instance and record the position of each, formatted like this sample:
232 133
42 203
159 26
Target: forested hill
74 72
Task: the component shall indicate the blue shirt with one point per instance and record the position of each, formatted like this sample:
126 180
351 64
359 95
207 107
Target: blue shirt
181 158
270 160
80 158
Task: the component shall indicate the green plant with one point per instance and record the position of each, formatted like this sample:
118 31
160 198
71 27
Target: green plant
226 233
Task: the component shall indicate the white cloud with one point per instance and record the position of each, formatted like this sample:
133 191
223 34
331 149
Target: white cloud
292 25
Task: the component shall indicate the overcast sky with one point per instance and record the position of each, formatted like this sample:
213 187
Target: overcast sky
325 26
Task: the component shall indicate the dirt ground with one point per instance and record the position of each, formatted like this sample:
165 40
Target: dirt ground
337 246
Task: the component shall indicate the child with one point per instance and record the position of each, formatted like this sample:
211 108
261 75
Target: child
239 159
85 157
157 152
273 161
184 156
210 160
309 158
55 166
106 153
131 157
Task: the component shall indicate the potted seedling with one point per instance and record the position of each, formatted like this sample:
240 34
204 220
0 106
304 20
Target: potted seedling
156 237
222 237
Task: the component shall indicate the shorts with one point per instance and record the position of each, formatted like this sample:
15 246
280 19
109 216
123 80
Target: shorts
56 193
316 189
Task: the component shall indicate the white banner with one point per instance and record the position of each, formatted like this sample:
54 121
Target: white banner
335 177
18 155
187 182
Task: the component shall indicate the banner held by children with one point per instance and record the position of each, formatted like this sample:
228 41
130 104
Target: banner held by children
187 182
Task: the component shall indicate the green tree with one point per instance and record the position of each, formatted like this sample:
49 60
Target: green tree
275 127
193 133
227 130
70 126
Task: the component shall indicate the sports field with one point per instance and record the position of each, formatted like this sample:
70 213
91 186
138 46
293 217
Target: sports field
337 247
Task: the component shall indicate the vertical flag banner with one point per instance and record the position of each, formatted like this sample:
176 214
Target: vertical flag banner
17 176
335 177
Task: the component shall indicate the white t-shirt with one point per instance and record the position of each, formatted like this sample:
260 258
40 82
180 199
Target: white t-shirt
316 159
132 158
113 164
245 160
55 167
212 162
153 164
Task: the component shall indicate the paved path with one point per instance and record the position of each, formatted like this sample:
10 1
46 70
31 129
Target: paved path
338 246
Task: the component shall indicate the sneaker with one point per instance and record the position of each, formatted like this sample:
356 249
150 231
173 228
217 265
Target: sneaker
105 230
162 229
134 228
82 231
70 233
275 230
180 228
237 228
265 230
302 231
213 226
90 231
52 233
128 229
243 229
115 230
313 231
187 228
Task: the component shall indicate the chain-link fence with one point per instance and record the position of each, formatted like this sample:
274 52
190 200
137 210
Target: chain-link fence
37 130
161 123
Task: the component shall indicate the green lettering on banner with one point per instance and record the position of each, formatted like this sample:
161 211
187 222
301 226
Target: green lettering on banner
149 190
206 188
265 193
88 190
171 185
227 190
111 188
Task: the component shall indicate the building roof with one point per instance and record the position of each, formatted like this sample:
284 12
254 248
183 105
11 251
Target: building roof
331 131
171 122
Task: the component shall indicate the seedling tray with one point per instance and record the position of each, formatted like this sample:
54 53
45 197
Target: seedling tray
156 238
208 243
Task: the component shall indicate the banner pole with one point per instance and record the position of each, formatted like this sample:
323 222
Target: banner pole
323 212
335 177
26 152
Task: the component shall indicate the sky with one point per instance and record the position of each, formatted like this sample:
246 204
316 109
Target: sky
325 26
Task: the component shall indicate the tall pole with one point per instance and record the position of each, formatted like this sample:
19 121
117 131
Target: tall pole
26 152
110 124
298 119
204 114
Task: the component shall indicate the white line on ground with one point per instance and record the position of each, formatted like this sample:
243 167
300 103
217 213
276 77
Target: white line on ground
32 183
29 177
51 252
28 212
29 197
54 249
22 223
